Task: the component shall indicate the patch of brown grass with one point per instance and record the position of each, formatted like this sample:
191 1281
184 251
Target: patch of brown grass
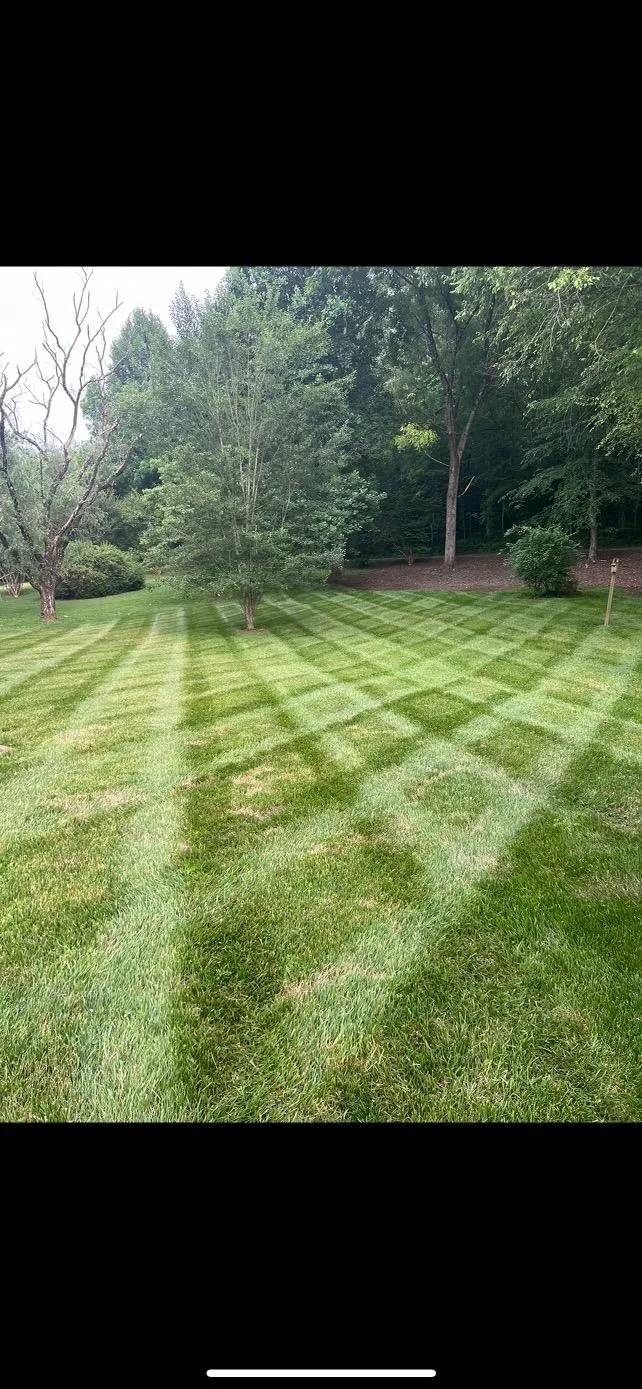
569 1014
264 814
611 888
325 847
75 735
301 774
423 785
88 802
486 863
327 977
253 781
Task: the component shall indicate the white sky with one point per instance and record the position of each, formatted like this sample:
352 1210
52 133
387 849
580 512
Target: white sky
138 286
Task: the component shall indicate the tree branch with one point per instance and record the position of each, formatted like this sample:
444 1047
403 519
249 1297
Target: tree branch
485 385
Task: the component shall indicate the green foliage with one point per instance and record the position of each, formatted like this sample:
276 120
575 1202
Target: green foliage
573 341
257 493
542 557
114 520
140 357
412 436
93 571
557 440
575 277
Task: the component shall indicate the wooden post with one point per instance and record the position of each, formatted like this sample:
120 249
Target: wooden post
614 565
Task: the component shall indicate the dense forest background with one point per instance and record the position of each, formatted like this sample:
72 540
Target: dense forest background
304 418
556 434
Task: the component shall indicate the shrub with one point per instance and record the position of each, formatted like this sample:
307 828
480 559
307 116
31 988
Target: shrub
542 557
164 583
93 571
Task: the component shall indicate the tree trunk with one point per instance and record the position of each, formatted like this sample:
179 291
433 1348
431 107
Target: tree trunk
49 569
592 552
336 573
451 506
12 583
47 593
249 608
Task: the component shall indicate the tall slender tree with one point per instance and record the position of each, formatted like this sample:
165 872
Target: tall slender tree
444 323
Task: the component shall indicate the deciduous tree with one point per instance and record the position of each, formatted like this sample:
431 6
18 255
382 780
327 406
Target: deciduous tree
48 481
257 493
444 325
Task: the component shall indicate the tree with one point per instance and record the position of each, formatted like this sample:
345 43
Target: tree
444 325
13 560
48 483
351 303
257 493
139 354
569 472
409 515
12 568
572 335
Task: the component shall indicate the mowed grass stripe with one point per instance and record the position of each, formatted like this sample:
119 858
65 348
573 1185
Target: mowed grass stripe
333 1008
105 993
252 884
326 689
24 807
66 650
449 639
331 688
340 1006
124 1046
60 868
423 653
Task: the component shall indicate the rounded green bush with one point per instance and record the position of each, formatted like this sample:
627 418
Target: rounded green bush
94 571
542 556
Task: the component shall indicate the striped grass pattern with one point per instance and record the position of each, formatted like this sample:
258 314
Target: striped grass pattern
380 862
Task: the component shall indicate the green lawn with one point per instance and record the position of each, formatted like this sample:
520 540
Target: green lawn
379 862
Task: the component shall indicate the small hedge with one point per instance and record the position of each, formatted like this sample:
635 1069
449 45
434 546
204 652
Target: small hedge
542 556
94 571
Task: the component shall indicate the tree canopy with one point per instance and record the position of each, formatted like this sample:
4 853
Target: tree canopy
257 490
301 417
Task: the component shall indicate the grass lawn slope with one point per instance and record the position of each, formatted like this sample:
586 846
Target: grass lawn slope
379 862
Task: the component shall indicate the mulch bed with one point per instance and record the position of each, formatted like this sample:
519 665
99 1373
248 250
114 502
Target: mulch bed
492 572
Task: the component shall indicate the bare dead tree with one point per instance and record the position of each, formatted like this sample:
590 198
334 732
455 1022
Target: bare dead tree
12 581
57 463
12 574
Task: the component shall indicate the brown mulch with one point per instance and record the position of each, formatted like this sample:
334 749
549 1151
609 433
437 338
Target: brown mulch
492 572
